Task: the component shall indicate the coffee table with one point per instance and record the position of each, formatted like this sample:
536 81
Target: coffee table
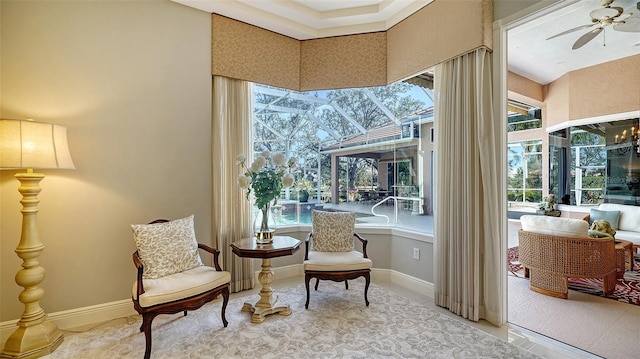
268 303
624 257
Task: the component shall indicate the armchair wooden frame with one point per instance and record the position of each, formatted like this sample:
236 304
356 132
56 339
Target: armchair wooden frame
337 276
182 305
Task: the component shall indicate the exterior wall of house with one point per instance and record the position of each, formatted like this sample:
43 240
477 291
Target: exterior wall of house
425 157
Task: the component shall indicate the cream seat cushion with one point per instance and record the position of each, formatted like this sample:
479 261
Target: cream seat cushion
336 261
180 285
630 236
557 226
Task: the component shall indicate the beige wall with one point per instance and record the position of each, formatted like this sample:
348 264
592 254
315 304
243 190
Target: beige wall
557 101
612 87
522 86
598 90
131 81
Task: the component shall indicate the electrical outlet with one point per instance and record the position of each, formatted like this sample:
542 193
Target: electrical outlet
416 253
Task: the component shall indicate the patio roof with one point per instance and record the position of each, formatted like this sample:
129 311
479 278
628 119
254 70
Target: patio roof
275 101
383 138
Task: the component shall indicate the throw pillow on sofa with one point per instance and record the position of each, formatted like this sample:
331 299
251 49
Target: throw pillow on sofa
613 217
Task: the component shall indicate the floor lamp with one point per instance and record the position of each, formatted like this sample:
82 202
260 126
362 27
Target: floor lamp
27 145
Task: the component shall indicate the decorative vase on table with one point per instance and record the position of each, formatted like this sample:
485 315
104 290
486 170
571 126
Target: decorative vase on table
304 196
264 225
265 178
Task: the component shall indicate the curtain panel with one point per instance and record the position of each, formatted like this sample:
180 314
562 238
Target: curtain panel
467 218
231 135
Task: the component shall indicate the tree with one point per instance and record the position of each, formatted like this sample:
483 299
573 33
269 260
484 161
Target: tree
287 123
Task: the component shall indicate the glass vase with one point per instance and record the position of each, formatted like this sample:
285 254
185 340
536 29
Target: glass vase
264 225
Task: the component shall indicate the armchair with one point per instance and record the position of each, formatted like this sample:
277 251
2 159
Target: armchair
170 275
330 253
552 249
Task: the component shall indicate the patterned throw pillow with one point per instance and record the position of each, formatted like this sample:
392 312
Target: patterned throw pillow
167 248
333 231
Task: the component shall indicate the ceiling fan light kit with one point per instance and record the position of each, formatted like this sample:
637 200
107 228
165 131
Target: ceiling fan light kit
624 21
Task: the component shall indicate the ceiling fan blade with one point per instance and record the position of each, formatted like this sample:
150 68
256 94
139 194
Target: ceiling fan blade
586 38
629 25
571 30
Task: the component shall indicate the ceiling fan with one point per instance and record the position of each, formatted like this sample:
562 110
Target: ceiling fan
626 21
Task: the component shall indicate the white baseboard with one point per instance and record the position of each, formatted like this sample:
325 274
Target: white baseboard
78 317
413 283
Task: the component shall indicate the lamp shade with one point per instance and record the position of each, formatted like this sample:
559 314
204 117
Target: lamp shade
30 144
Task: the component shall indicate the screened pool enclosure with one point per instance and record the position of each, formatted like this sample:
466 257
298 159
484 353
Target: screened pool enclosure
358 149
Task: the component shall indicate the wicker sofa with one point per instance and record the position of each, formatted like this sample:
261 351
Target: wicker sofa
628 220
553 249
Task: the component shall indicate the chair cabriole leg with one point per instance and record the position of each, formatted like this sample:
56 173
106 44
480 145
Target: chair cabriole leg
225 300
366 288
307 278
146 328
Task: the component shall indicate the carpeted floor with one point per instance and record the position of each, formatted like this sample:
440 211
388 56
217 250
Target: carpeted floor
336 325
627 289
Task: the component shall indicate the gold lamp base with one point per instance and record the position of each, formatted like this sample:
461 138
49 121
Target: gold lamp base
33 341
35 335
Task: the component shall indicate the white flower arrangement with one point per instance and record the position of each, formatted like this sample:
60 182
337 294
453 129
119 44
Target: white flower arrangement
266 176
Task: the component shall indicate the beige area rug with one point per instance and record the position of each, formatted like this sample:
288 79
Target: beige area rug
336 325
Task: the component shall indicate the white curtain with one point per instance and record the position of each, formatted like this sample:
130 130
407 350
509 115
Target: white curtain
467 217
231 135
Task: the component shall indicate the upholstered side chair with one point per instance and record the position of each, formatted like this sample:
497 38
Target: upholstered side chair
330 253
171 277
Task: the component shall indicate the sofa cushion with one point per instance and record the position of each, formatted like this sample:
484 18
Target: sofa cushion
613 217
630 236
557 226
629 215
166 248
